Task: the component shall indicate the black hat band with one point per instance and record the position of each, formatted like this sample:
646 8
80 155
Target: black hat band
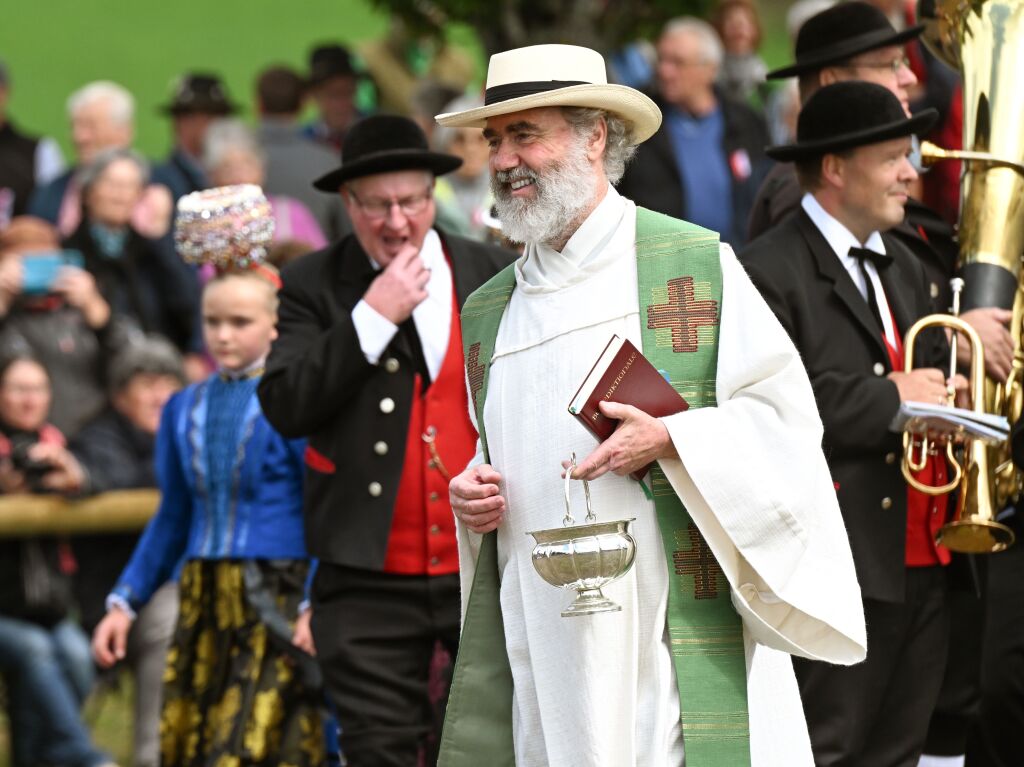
500 93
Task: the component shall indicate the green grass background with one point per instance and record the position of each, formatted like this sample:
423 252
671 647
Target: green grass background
52 47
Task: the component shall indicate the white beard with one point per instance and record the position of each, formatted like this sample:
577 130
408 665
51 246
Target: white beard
564 193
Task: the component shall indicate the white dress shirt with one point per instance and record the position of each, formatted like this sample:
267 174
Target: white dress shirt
841 239
432 317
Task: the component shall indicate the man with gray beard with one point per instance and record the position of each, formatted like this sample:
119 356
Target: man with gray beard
741 554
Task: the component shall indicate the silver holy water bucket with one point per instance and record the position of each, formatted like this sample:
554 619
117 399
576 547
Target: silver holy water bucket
584 557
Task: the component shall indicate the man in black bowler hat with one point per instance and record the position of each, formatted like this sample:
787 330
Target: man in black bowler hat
198 100
854 41
847 291
369 367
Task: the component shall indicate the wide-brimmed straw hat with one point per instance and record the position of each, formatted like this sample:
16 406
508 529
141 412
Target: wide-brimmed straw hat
556 76
840 33
847 115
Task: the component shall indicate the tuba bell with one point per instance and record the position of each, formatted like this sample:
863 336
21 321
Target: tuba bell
984 41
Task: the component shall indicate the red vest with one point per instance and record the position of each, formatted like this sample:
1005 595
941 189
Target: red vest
926 514
422 539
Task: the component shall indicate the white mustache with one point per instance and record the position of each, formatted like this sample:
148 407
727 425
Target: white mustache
515 174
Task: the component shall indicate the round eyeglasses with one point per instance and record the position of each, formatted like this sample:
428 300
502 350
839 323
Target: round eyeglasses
377 209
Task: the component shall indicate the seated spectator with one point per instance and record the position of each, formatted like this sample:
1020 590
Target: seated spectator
292 160
44 657
464 195
102 117
65 322
137 276
116 452
233 156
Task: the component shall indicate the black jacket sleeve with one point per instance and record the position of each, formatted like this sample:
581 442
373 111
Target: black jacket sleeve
316 363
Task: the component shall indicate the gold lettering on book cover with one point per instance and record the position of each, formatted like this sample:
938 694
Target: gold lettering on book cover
615 383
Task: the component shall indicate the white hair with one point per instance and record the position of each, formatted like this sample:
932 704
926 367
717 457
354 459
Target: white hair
619 146
91 173
120 102
227 135
700 30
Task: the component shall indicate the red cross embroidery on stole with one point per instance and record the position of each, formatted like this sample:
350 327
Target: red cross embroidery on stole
474 371
682 314
699 562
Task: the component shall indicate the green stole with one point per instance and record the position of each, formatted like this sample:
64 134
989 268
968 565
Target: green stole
679 280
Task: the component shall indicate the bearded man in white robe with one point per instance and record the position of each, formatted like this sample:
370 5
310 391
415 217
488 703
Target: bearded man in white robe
601 690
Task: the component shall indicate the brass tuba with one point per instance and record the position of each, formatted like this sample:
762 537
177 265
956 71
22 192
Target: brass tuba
984 41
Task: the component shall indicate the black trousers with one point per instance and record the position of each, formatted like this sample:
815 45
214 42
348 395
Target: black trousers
960 697
998 738
375 635
875 714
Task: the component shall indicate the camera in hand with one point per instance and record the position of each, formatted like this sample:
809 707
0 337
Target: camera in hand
33 470
42 269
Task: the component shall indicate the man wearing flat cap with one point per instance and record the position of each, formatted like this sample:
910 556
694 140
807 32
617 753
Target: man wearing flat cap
369 367
198 100
854 41
741 556
846 292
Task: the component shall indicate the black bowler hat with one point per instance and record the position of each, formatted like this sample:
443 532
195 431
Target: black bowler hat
847 115
839 33
199 94
327 61
383 144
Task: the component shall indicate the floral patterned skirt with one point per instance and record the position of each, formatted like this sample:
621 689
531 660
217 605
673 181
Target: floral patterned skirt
232 695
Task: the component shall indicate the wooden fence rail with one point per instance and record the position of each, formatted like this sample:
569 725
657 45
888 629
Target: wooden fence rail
122 511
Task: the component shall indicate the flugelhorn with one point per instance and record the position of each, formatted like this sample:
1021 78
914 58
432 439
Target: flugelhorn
974 529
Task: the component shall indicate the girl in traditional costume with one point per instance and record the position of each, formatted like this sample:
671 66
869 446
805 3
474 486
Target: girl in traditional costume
237 688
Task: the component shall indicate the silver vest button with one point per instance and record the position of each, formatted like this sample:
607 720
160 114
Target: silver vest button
387 405
380 448
879 369
391 365
374 489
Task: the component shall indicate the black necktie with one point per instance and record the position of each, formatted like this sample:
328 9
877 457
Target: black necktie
408 330
880 261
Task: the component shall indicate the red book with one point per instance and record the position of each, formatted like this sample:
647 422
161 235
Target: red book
622 374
